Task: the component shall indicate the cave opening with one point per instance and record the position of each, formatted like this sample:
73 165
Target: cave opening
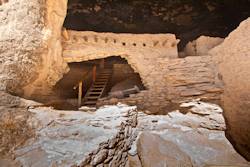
110 77
187 19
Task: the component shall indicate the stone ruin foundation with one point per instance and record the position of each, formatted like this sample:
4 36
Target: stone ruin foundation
37 53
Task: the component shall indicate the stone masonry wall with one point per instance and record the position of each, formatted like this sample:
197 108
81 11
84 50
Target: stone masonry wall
167 78
174 81
114 152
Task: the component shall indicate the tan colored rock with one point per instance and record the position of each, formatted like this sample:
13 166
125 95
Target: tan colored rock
202 45
205 145
233 59
100 157
133 161
157 152
21 40
53 65
30 45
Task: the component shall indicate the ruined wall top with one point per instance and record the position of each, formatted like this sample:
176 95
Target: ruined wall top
79 45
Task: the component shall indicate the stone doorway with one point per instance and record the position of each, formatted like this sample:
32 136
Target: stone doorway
122 82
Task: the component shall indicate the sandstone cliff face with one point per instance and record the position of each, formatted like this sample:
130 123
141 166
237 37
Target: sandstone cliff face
30 47
21 43
233 59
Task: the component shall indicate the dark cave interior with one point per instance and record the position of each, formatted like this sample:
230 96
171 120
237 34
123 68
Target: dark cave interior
188 19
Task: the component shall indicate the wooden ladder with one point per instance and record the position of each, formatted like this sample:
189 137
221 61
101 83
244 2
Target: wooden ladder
97 89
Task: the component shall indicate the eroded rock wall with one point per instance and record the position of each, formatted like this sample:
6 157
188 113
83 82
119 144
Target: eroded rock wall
233 59
30 47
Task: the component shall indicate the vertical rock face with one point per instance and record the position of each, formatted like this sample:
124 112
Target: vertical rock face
53 65
30 47
233 59
21 42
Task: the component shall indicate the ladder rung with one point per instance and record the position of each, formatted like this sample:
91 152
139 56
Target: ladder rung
92 97
94 93
102 79
98 86
96 89
100 83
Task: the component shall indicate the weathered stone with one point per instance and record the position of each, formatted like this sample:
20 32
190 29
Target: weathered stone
205 145
202 46
31 60
157 152
100 157
113 142
108 160
232 58
133 161
100 165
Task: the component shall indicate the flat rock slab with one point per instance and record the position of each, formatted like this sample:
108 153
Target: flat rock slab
196 139
64 138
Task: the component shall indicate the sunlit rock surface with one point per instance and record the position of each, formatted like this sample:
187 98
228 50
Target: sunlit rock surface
120 135
233 59
64 138
194 139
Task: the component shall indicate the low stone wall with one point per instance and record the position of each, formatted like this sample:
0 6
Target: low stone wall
114 152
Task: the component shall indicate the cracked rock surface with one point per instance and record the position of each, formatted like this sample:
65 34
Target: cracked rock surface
120 135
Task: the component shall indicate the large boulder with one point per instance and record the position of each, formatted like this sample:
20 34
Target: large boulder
157 152
233 60
197 134
30 45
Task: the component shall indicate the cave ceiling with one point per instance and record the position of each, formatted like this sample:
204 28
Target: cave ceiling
188 19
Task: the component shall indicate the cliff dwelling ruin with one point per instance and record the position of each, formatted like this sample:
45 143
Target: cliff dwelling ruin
119 74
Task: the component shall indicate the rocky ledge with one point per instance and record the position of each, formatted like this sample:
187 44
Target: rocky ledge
122 136
195 138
